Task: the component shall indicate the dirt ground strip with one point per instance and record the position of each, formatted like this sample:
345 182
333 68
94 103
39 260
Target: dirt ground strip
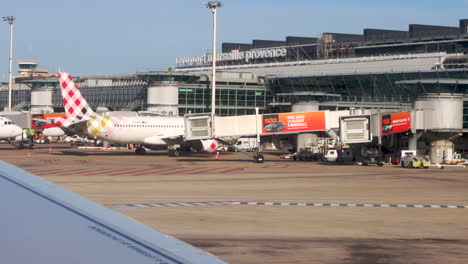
268 233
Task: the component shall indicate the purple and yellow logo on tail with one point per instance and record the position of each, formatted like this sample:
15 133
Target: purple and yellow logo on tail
100 125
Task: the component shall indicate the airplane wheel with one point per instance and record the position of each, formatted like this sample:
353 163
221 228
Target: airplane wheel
176 152
402 164
380 164
140 151
411 165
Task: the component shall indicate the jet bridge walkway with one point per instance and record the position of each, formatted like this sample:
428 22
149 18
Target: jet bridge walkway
228 129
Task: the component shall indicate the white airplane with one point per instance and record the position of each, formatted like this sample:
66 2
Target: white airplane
8 129
139 130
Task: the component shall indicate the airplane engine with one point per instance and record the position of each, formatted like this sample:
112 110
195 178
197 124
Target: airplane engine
209 145
53 132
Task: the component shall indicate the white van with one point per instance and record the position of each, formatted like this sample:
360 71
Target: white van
246 144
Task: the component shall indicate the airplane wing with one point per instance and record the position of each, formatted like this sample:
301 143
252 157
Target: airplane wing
43 223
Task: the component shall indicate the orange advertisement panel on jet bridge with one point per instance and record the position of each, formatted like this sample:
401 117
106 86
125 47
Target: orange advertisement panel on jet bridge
293 122
396 122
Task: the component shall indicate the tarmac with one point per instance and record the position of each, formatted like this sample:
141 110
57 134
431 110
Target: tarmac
280 211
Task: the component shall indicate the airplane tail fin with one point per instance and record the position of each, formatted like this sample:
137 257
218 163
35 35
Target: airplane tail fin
76 107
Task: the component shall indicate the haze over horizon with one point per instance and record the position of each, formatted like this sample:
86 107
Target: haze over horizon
123 37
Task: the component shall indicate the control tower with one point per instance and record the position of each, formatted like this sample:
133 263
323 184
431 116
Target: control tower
29 69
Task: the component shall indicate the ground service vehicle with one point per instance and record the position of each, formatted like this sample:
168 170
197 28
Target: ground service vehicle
331 155
371 156
307 154
245 144
414 162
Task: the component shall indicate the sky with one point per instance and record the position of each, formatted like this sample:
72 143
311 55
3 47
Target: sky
102 37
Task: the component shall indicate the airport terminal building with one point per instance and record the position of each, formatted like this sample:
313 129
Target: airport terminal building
423 68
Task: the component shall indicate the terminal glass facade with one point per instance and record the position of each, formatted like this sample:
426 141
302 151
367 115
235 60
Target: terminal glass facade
231 99
20 97
194 97
370 87
114 98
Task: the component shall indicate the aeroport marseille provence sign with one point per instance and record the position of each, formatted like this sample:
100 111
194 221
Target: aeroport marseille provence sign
234 55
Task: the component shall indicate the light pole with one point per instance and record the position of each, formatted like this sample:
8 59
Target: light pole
10 20
213 5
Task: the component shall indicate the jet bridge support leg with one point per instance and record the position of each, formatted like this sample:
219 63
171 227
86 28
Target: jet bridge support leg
259 158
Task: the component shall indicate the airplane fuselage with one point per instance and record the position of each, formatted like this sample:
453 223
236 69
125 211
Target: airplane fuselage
132 130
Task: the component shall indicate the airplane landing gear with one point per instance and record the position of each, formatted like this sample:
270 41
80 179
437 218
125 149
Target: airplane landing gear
140 151
174 152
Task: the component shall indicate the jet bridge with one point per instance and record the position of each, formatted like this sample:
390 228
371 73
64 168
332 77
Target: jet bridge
347 126
359 127
228 129
200 126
